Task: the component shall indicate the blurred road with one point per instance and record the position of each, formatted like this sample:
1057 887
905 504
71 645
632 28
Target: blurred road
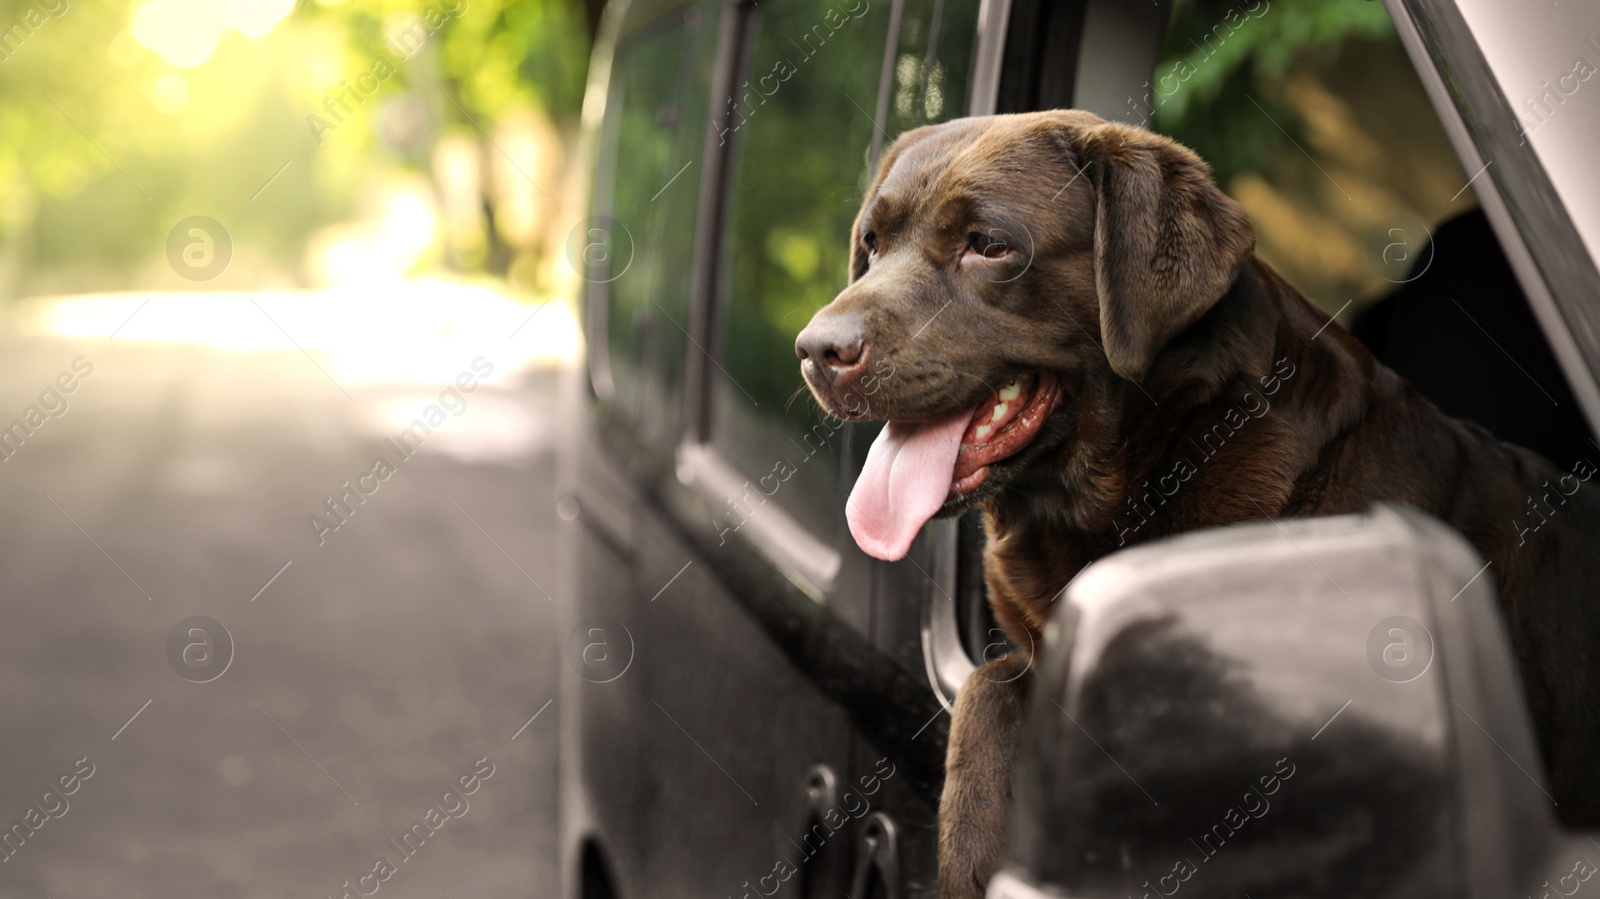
367 677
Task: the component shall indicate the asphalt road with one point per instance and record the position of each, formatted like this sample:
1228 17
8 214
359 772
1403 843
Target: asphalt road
366 678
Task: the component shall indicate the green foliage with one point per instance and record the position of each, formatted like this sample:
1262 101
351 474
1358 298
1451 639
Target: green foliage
803 161
1219 54
105 143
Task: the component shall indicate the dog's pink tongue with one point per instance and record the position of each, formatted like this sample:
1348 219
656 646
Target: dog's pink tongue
906 479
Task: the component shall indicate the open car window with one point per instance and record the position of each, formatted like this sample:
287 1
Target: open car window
1514 84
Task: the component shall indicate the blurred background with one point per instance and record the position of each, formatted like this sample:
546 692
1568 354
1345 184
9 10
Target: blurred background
380 189
261 241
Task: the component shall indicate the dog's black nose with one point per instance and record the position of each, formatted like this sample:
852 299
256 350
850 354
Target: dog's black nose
834 344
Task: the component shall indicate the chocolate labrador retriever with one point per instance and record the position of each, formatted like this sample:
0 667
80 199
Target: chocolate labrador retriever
1085 346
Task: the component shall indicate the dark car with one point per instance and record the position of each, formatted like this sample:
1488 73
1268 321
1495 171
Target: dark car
752 705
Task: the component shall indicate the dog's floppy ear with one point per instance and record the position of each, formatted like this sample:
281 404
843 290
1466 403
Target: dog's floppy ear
1167 242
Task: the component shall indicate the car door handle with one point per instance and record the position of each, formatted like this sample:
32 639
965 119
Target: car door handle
824 858
877 874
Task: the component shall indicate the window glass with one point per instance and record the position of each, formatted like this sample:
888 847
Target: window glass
642 252
933 63
802 131
1312 116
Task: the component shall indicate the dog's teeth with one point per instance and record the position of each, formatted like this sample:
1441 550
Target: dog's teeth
1012 391
998 412
983 431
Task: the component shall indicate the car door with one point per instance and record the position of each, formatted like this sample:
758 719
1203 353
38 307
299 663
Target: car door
664 756
718 630
791 139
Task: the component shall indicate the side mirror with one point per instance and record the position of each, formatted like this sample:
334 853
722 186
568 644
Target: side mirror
1308 708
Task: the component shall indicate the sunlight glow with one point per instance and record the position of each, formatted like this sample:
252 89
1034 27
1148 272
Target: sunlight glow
420 331
385 247
186 32
170 94
255 18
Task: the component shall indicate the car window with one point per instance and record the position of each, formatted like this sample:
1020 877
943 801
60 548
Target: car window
932 64
639 249
1330 141
1517 83
1314 119
803 136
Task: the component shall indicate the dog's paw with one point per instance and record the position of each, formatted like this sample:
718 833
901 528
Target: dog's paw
975 809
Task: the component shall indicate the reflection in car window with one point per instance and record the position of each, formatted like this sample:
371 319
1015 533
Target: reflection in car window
932 64
658 108
1312 116
802 137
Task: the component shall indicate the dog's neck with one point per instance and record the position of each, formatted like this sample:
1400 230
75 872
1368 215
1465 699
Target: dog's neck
1225 426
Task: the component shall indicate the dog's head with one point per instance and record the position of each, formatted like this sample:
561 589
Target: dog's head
997 267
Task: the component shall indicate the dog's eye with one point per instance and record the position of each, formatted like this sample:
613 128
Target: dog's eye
987 245
871 240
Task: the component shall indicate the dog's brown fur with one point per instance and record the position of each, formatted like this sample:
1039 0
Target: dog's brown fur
1132 279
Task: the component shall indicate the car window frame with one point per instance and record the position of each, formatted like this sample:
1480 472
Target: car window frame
1527 213
1030 54
637 23
810 562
